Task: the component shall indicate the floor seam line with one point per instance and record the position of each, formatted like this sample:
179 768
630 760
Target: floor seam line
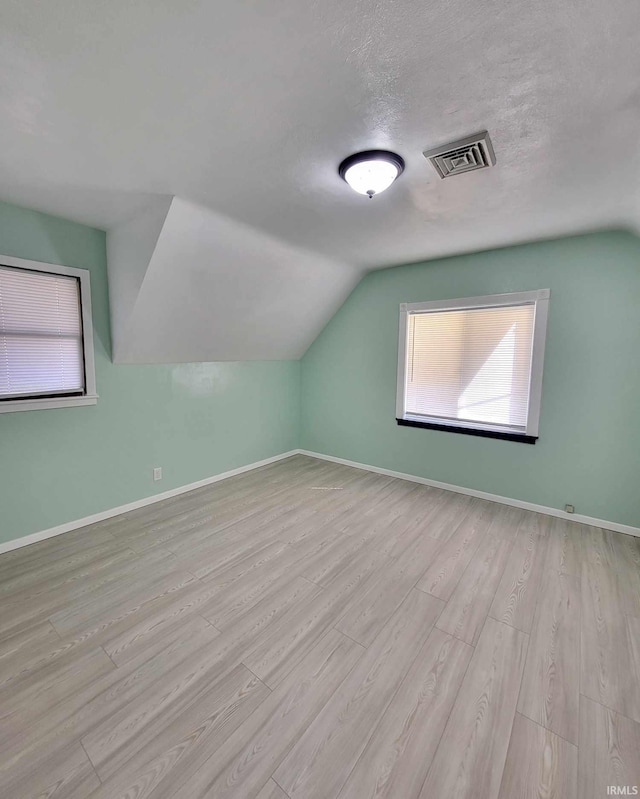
91 763
346 635
278 784
610 709
445 725
242 663
544 727
108 655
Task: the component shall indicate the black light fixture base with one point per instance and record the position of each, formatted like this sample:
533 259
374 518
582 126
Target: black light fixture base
371 155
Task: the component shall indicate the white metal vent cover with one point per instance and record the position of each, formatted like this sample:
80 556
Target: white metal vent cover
466 155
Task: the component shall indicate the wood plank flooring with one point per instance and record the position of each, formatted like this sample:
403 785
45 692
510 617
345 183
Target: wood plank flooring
312 631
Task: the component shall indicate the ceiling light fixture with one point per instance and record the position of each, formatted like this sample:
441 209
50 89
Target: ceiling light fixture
371 171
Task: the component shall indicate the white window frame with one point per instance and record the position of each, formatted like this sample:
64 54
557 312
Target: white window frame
90 397
540 299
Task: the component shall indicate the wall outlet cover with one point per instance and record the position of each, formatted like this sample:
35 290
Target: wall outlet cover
157 473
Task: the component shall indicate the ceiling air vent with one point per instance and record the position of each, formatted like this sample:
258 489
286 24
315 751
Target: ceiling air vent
466 155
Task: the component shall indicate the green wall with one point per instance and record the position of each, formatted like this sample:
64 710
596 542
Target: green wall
194 420
197 420
588 453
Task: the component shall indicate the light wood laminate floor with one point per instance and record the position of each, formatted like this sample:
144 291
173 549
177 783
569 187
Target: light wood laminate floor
312 631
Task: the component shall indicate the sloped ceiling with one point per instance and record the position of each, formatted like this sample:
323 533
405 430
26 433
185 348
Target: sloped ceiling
187 284
243 110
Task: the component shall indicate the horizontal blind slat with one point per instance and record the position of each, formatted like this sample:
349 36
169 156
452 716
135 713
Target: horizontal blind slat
41 349
471 365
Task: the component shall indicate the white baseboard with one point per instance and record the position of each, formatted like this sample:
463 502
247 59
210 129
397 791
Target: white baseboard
16 543
516 503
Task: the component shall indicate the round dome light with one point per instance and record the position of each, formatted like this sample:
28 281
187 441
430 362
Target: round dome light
371 171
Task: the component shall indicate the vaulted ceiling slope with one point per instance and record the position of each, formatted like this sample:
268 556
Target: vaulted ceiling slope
188 284
245 109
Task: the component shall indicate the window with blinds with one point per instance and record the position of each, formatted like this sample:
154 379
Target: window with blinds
42 341
473 364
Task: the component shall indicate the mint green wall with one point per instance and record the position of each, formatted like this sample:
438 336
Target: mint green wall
588 453
194 420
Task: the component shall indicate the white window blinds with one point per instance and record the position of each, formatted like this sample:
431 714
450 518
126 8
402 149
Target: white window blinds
41 345
475 366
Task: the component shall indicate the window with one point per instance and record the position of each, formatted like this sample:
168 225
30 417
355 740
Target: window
473 365
46 336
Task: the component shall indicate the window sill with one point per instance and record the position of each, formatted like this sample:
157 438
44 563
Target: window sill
46 404
470 431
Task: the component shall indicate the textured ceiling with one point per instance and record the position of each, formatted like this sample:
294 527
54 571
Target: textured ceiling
245 109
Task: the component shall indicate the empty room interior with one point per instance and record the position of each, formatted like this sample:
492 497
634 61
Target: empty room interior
319 399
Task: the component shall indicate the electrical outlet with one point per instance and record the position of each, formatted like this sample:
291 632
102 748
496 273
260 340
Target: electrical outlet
157 473
569 509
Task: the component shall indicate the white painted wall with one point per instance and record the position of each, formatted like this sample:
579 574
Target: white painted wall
130 248
215 290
